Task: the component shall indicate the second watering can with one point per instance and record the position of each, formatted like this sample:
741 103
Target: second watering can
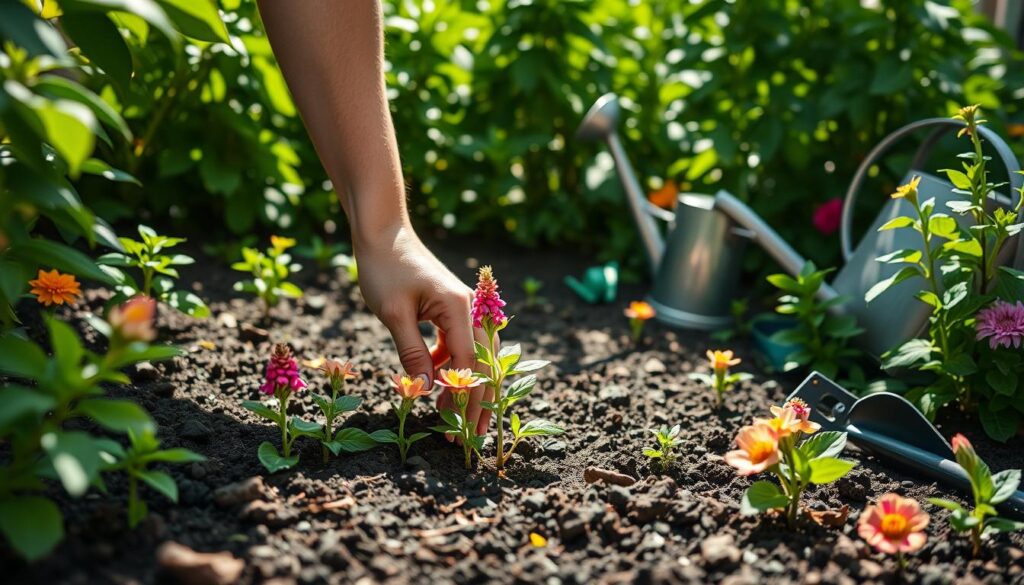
696 266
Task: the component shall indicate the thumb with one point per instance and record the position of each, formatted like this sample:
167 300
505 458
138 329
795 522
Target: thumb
412 351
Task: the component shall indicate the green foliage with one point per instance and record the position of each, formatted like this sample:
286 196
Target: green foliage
721 380
42 425
959 265
157 271
270 271
531 287
821 336
668 439
324 254
988 490
348 440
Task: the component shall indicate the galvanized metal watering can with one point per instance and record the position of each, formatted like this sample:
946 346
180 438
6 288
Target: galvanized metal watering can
696 266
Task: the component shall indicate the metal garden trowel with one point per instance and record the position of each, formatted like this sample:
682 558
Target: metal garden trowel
889 426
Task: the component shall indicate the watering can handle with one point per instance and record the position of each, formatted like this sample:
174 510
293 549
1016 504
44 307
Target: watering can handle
940 126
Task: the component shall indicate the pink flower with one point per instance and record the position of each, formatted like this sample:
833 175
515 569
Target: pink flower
801 412
410 388
961 442
486 301
894 525
282 371
827 216
758 449
1001 323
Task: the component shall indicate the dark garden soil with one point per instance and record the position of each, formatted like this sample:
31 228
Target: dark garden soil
365 518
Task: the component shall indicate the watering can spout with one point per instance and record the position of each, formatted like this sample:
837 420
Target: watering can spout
599 124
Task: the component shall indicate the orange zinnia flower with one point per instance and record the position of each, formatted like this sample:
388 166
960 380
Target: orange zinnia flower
54 288
410 388
639 310
133 320
458 381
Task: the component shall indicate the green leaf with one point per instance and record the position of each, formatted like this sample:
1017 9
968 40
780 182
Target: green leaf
540 428
33 525
1002 383
347 403
51 254
161 482
262 410
289 289
943 226
109 46
175 455
302 428
959 180
999 425
351 441
74 457
760 496
1003 525
69 127
824 444
526 366
19 25
521 387
416 437
20 402
962 521
197 19
653 453
509 356
148 10
1004 485
897 223
947 504
903 274
908 354
483 355
828 469
272 460
385 436
20 357
188 303
515 424
117 415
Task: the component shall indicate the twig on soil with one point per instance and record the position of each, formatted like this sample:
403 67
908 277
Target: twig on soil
594 474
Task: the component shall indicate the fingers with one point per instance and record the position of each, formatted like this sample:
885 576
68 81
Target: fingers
456 330
412 351
476 411
439 353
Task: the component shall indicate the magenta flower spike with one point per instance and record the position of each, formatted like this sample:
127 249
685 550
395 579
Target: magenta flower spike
487 301
282 371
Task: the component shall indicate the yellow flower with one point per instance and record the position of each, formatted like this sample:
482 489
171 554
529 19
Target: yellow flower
410 388
721 361
639 310
458 381
281 243
54 288
908 191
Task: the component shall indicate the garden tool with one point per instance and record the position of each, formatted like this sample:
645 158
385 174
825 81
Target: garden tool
696 266
889 426
599 284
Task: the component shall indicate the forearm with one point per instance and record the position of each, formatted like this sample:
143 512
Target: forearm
332 55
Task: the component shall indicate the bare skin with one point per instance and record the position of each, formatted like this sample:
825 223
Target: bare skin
332 55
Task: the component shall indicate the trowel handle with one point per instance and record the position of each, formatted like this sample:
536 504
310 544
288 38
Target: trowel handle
929 464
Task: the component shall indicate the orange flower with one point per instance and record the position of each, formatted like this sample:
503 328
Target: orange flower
336 370
458 381
54 288
894 525
667 197
721 361
410 388
758 449
800 413
1015 130
639 310
133 320
961 442
784 424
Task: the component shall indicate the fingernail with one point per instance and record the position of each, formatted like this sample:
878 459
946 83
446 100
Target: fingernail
425 378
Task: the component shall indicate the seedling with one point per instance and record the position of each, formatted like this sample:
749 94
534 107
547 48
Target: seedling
270 271
505 362
409 389
321 252
668 440
281 381
773 445
460 383
721 380
532 286
638 313
988 490
157 269
895 525
349 440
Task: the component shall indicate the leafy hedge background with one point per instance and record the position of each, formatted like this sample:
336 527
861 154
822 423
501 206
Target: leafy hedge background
776 101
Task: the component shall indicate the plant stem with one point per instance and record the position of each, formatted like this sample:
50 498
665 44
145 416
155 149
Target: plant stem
467 435
283 400
402 446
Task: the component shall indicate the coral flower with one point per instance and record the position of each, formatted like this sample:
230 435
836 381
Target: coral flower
667 197
282 371
133 320
54 288
758 449
410 388
961 442
894 525
1002 324
801 413
639 310
458 381
827 216
487 302
785 422
337 371
721 361
908 191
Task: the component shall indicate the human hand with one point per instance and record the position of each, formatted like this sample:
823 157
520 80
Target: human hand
403 283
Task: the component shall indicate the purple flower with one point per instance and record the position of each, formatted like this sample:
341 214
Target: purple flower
486 300
1002 324
282 371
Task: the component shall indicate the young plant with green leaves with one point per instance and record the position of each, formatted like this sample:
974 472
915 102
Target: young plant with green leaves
459 383
46 399
281 381
321 252
668 439
531 288
157 269
504 363
957 263
774 446
988 491
408 389
270 271
721 380
821 337
349 440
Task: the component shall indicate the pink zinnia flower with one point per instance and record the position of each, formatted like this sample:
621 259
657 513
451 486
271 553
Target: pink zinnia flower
282 371
486 300
1002 324
827 216
894 525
